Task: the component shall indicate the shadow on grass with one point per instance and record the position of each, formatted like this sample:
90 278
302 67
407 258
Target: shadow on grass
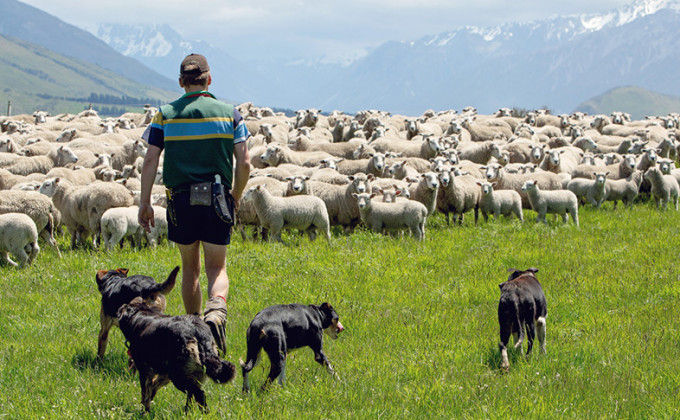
113 364
492 358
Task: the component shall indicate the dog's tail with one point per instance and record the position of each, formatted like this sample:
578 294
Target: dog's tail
220 371
166 287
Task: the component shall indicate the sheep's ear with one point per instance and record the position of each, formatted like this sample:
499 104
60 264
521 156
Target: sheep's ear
307 178
373 195
594 173
397 193
478 183
607 174
493 184
369 177
290 178
339 160
354 195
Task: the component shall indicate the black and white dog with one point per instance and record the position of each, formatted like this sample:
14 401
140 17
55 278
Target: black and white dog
281 328
168 348
522 306
117 289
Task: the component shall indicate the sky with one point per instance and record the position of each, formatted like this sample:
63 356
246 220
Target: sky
312 28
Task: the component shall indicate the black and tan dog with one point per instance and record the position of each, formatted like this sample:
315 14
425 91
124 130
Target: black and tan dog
279 329
167 348
118 289
521 308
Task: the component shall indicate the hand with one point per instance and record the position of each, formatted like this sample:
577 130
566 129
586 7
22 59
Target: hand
146 217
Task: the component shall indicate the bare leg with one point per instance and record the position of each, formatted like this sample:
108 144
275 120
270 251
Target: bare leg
191 270
215 258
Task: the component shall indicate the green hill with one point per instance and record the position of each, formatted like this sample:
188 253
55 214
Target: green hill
34 77
636 101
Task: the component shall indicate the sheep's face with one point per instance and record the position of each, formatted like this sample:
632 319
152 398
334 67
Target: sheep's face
651 155
107 126
271 155
4 145
267 131
329 163
49 187
554 157
455 127
537 153
108 175
493 172
411 126
67 155
360 183
103 159
438 163
487 187
297 184
378 161
529 186
665 167
445 177
434 144
363 200
600 177
431 180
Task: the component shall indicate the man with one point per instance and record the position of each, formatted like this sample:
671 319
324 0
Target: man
201 137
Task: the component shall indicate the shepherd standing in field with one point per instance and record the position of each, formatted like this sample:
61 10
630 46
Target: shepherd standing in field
201 137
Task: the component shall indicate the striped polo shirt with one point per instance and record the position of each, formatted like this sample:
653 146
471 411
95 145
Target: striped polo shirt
198 134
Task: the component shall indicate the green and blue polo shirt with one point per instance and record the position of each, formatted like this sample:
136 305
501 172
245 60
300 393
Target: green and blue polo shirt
198 134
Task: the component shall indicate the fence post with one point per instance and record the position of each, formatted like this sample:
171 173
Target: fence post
9 108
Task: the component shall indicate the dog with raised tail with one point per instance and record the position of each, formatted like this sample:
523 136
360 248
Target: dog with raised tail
279 329
521 308
118 289
168 348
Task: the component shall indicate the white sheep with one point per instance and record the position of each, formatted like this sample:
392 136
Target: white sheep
625 189
664 187
388 217
119 223
561 202
502 202
480 152
344 149
508 181
341 206
424 149
38 207
458 196
303 212
277 154
374 165
418 126
24 165
594 191
19 236
620 170
425 191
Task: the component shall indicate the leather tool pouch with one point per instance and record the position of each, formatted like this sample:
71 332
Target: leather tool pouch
200 194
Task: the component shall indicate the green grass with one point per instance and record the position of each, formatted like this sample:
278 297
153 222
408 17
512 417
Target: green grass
421 337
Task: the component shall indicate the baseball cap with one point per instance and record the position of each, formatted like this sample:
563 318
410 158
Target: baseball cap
194 64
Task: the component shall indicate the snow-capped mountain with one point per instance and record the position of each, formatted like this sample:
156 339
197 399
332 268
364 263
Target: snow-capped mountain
558 62
162 48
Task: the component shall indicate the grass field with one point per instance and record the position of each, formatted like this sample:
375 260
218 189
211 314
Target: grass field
421 337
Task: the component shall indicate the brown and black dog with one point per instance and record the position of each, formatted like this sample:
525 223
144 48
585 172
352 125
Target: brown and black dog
521 307
118 289
167 348
279 329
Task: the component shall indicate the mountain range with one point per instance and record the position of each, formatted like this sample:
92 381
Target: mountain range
560 63
556 63
51 65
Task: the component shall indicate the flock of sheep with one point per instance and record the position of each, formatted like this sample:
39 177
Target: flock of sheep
312 171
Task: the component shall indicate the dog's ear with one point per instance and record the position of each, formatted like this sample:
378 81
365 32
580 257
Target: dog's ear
123 271
533 270
100 275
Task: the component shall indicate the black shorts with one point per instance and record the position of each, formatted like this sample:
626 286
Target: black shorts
196 223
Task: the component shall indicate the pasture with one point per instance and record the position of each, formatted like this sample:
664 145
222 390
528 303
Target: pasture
421 337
